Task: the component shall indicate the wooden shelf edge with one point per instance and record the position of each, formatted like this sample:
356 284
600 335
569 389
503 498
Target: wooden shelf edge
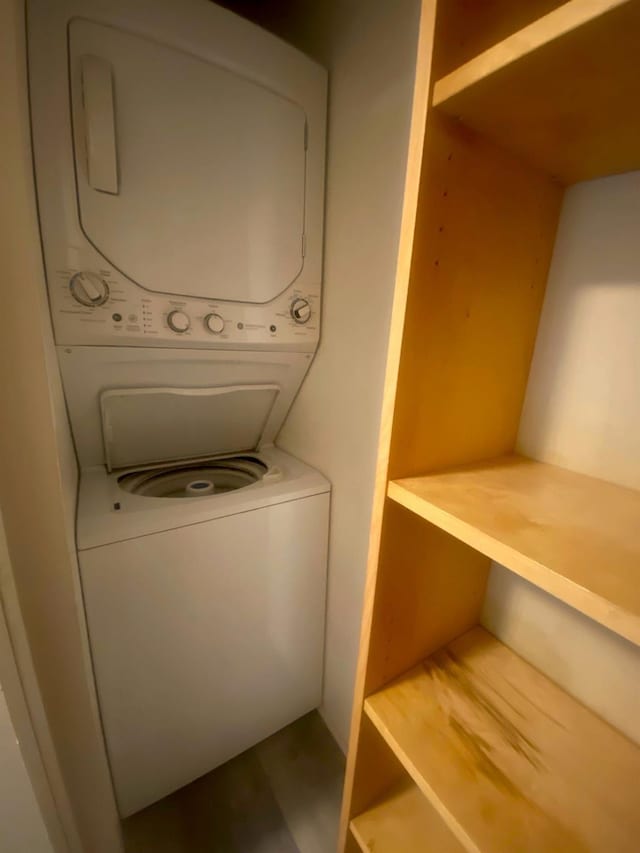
421 782
616 617
483 733
550 27
403 822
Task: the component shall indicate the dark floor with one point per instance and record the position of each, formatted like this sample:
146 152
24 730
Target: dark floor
282 796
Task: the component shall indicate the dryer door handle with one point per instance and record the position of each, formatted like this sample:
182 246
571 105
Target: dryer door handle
99 124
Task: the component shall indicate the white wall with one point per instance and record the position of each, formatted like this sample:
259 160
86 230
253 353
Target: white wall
37 491
22 828
25 722
369 48
582 411
582 408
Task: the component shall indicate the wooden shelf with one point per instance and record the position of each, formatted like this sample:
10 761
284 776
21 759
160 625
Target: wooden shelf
509 760
404 822
574 536
561 92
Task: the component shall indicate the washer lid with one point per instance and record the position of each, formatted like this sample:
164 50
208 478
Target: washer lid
144 425
190 177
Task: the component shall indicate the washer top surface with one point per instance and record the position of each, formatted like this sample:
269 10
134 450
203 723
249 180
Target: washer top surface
108 513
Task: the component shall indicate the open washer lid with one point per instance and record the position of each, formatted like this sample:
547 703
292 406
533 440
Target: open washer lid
146 425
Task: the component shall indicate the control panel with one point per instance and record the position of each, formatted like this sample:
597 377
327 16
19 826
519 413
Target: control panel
100 306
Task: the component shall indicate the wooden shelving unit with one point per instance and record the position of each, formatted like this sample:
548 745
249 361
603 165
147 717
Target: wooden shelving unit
558 90
403 822
574 536
509 760
501 759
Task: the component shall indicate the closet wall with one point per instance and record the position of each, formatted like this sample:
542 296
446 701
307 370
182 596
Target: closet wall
582 411
21 824
38 490
370 50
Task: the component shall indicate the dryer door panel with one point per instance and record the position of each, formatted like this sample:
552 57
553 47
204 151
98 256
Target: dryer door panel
190 178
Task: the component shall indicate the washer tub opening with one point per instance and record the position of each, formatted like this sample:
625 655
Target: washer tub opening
201 479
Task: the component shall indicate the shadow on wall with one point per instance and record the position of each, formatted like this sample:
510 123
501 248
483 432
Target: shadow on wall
582 408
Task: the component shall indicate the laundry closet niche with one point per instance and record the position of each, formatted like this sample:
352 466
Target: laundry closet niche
512 411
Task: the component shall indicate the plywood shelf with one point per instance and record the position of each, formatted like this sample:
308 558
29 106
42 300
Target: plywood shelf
560 92
576 537
403 822
509 760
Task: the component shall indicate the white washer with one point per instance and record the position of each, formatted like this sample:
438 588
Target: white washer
179 156
206 619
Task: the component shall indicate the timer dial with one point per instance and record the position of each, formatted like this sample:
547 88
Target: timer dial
301 310
178 321
89 289
214 323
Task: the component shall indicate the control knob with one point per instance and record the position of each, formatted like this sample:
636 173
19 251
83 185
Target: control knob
178 321
301 310
214 323
89 289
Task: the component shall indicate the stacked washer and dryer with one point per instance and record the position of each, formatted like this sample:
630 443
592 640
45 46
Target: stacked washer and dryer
179 159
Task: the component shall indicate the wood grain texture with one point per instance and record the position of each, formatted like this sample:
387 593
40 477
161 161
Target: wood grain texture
378 769
351 845
509 760
421 97
558 92
466 28
430 590
403 822
484 238
574 536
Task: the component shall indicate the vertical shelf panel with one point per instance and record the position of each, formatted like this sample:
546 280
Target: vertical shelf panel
483 243
403 822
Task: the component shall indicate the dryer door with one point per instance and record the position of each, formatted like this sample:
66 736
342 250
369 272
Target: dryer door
190 177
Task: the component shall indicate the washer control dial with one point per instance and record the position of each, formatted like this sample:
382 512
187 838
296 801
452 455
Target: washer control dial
301 310
89 289
214 323
178 321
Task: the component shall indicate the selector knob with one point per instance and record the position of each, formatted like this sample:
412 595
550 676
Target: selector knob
300 310
89 289
178 321
214 323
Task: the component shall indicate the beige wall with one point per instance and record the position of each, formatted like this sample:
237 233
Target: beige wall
28 815
38 482
582 411
369 49
27 716
22 828
370 52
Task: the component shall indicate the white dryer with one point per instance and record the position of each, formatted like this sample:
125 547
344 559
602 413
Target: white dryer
179 156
